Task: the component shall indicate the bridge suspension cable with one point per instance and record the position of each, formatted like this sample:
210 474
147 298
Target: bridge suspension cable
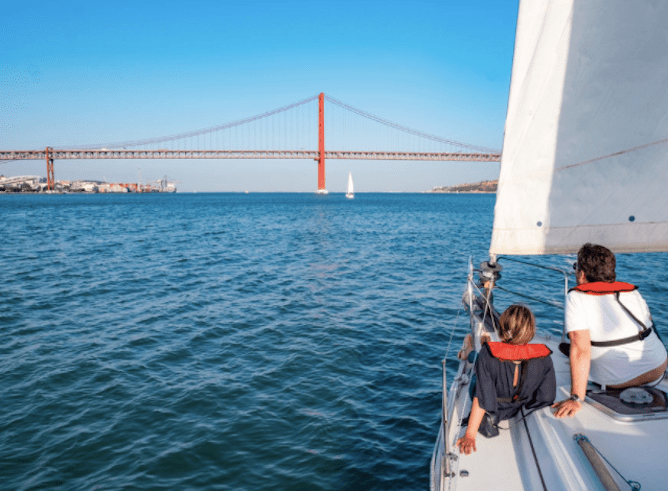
267 133
190 134
294 131
408 130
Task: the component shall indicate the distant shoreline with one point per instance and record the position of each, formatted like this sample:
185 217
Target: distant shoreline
482 187
436 190
460 192
35 193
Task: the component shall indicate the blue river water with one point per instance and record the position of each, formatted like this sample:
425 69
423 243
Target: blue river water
237 342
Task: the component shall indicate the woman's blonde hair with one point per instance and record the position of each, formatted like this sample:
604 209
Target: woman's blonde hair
517 325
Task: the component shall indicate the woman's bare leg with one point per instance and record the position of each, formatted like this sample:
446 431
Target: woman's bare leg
467 347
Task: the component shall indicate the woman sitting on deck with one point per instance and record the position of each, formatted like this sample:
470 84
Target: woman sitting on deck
509 375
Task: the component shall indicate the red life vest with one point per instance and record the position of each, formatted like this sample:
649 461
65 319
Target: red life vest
518 352
604 288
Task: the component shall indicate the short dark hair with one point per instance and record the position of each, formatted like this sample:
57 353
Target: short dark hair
517 325
597 263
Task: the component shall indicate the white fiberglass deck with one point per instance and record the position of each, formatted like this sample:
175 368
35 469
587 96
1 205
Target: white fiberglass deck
637 449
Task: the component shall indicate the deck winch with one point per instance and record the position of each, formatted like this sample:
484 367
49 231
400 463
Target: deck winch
489 272
636 396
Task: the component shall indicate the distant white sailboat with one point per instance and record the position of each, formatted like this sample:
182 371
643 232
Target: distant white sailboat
350 193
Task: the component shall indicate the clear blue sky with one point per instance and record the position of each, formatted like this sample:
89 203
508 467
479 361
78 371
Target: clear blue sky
89 72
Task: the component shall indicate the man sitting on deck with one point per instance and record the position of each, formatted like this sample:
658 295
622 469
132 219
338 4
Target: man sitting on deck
610 329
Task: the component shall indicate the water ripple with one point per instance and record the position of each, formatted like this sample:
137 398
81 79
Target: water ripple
233 342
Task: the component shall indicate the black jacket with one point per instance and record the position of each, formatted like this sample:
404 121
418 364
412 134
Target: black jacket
494 386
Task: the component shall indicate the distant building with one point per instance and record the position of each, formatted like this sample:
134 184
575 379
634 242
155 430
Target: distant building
37 184
22 184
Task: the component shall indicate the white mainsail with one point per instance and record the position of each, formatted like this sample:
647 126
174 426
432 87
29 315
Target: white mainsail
350 191
585 151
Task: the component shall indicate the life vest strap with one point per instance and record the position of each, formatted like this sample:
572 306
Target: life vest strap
644 330
618 342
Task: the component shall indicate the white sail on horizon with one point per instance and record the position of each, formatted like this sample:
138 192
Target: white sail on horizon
586 139
350 192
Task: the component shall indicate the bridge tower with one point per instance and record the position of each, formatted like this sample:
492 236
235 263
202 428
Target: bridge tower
49 168
321 144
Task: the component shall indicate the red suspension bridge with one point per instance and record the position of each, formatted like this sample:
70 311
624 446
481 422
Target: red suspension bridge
290 127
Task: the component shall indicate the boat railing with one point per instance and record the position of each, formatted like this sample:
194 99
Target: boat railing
443 466
477 321
565 273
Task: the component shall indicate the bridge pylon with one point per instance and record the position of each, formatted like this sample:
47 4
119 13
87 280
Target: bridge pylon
321 144
49 169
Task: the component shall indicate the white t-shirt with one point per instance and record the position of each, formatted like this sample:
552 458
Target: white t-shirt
608 321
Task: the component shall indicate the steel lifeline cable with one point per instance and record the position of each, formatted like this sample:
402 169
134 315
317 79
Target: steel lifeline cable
533 451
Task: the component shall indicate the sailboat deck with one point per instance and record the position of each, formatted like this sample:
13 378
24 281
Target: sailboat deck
494 464
541 453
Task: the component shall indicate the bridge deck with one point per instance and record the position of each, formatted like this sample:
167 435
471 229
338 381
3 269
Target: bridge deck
244 154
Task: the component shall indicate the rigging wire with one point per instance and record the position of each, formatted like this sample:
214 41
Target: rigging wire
530 297
621 152
533 451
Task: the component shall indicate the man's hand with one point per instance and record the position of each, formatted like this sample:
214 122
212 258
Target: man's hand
580 359
568 407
